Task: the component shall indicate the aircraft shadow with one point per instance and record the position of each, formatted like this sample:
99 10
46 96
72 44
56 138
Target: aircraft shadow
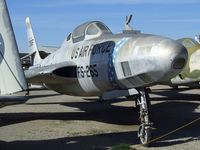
43 95
172 115
103 112
166 115
15 100
12 100
175 95
94 142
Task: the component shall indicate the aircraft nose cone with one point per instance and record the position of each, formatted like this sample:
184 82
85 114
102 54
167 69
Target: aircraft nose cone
173 57
150 60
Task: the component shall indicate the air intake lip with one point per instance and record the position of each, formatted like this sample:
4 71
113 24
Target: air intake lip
66 72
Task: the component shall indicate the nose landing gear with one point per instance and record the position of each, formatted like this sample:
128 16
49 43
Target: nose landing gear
144 132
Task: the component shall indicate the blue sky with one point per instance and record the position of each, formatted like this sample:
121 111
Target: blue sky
52 20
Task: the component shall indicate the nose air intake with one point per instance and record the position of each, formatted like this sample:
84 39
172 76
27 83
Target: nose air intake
178 63
176 57
180 59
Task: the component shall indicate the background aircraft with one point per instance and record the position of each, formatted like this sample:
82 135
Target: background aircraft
191 73
197 38
92 60
11 74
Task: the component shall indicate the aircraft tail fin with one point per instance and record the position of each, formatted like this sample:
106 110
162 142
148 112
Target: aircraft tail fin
12 77
197 38
32 43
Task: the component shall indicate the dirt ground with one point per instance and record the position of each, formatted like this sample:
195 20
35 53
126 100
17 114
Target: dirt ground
48 120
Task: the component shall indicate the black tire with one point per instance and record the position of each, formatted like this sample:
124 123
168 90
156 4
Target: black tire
100 99
146 136
175 87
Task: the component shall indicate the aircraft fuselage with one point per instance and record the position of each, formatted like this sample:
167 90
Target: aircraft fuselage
111 61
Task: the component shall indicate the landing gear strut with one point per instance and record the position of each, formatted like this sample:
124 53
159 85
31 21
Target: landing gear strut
144 132
27 92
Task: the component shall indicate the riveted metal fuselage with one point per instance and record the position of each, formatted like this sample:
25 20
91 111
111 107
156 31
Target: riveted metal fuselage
119 61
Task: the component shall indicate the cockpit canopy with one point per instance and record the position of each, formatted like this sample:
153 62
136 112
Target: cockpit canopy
88 30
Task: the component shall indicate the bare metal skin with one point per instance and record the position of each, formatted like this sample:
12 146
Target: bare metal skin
109 61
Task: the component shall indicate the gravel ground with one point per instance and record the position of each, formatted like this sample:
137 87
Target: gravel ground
48 120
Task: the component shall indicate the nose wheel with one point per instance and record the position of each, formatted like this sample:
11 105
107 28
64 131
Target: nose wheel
144 132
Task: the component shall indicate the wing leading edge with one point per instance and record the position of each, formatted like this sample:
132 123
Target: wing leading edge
58 73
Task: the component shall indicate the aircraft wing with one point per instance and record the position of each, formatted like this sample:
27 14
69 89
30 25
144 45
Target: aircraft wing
56 73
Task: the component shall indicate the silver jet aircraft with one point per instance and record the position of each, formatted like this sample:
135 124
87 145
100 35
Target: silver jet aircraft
92 61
